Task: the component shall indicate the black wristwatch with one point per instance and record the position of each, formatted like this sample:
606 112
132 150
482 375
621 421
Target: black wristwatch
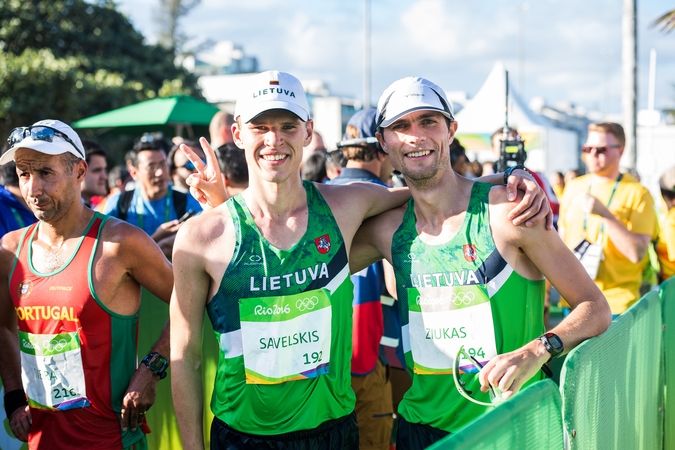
510 169
553 344
157 363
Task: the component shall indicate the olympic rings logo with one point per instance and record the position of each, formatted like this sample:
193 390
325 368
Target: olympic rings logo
462 298
54 345
458 298
306 303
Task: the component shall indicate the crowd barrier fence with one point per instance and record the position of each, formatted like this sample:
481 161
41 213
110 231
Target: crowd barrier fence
613 392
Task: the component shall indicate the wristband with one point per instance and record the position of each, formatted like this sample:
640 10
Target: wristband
14 400
509 171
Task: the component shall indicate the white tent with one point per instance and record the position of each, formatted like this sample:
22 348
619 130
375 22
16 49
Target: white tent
549 148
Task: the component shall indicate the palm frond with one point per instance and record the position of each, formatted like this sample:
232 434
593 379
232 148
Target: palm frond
666 22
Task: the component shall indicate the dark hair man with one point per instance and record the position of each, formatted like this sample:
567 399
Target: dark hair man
95 183
233 167
153 206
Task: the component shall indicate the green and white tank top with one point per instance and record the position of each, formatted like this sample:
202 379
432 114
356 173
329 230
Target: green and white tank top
283 322
458 293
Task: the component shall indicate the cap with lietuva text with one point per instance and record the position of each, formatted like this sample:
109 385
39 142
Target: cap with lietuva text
411 94
56 146
272 90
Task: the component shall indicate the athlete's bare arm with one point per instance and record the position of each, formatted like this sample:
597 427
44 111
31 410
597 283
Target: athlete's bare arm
128 259
10 361
204 246
372 241
532 252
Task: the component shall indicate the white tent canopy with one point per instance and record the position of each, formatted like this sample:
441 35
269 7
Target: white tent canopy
549 148
485 111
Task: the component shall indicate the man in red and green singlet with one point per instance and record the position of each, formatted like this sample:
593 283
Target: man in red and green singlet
465 274
270 268
71 286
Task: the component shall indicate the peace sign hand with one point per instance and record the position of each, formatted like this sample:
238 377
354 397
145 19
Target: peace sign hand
206 185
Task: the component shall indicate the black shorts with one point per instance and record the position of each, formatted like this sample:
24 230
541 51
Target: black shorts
336 434
414 436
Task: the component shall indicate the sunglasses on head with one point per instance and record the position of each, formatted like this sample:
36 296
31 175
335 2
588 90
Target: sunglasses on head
598 150
190 165
39 133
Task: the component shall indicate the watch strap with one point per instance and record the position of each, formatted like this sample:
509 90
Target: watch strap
509 171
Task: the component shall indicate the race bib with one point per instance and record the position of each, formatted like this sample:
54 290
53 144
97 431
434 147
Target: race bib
52 372
442 319
286 338
590 256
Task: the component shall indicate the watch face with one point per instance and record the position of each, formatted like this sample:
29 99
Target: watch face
554 341
156 363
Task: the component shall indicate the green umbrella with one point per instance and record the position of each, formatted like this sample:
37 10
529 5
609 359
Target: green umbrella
180 112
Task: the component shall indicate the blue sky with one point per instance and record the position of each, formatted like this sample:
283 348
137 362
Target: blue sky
571 48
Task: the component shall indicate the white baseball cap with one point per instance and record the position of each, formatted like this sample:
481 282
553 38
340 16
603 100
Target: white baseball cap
411 94
51 137
272 90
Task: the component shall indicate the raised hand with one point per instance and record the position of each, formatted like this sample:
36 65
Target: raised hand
206 185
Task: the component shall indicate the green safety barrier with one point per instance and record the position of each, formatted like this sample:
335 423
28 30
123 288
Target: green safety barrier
667 292
530 420
612 386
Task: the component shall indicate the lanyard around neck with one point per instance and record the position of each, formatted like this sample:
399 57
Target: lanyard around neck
611 196
140 208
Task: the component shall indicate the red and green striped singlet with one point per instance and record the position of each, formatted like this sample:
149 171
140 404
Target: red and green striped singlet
77 356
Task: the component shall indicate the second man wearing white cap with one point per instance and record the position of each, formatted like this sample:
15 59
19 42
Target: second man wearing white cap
469 283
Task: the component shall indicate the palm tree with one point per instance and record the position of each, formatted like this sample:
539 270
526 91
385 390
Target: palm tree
666 22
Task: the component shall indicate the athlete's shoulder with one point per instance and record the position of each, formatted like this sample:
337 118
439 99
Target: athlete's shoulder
9 243
209 226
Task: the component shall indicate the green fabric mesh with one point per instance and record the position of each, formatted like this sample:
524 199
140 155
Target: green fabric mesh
531 420
668 301
611 384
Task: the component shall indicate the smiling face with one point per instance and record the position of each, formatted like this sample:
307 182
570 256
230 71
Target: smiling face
47 184
418 145
273 143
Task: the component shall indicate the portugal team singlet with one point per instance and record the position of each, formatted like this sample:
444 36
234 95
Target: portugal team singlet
458 293
283 322
77 356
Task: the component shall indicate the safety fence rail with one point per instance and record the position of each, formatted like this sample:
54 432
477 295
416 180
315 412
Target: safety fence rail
613 392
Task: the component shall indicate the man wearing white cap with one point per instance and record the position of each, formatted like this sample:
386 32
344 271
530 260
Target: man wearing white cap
469 282
270 267
71 285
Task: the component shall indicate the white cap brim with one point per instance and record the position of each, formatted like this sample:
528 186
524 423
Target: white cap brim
259 108
56 147
385 123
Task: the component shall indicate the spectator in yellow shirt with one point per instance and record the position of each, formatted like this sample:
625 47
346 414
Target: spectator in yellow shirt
609 217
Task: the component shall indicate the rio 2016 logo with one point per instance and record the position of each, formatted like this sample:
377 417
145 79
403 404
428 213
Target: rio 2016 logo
260 310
